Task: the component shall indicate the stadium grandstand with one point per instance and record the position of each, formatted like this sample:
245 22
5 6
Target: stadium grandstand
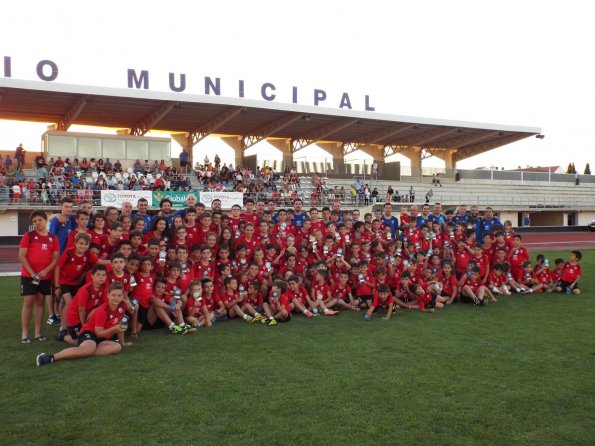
82 165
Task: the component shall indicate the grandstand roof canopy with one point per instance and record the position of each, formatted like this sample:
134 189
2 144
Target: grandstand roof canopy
201 115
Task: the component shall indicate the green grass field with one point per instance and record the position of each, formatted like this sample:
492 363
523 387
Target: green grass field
520 371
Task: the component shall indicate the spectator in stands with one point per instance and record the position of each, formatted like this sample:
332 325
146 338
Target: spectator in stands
21 177
100 165
389 194
374 170
19 155
436 179
184 161
76 165
411 195
374 195
85 166
2 178
146 168
118 167
107 166
429 195
8 163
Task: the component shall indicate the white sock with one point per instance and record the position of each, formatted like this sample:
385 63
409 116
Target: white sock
171 325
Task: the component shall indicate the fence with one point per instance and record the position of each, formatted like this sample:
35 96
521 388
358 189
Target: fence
509 175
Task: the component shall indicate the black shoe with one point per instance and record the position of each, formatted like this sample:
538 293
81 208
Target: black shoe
60 336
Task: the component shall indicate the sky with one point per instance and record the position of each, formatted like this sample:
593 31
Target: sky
524 63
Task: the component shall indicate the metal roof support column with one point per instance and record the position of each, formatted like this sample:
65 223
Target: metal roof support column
414 154
236 143
336 150
284 145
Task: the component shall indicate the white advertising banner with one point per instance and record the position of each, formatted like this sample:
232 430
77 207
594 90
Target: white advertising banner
117 197
228 199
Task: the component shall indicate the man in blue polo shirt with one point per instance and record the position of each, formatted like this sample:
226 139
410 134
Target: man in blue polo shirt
62 224
298 216
389 220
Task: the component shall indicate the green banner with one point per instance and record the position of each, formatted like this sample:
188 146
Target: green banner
178 199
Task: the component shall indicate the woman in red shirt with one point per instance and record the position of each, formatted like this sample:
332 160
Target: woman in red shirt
38 253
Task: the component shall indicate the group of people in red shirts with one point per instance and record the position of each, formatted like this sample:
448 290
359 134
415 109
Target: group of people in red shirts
189 269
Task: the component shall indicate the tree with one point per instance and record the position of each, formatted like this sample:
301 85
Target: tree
587 169
569 168
573 168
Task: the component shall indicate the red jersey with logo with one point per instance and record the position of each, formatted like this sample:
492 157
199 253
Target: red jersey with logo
320 291
382 303
474 284
449 284
88 298
341 292
106 248
73 267
229 299
251 245
282 302
96 237
571 272
496 280
300 295
462 258
211 302
203 271
124 279
517 258
362 289
186 276
40 251
251 218
424 299
104 318
143 289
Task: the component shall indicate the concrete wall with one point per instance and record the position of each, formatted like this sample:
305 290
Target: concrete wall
547 218
512 216
9 225
585 217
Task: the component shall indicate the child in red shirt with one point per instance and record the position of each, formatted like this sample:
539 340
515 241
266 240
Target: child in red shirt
382 298
97 335
571 274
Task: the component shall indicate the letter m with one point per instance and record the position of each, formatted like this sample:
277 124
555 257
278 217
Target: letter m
141 81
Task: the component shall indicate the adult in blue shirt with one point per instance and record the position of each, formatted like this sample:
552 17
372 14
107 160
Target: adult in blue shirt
184 161
143 205
298 216
486 224
437 216
62 223
424 218
165 211
388 219
461 216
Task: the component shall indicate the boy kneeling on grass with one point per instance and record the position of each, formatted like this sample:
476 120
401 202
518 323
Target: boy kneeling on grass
101 335
382 298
